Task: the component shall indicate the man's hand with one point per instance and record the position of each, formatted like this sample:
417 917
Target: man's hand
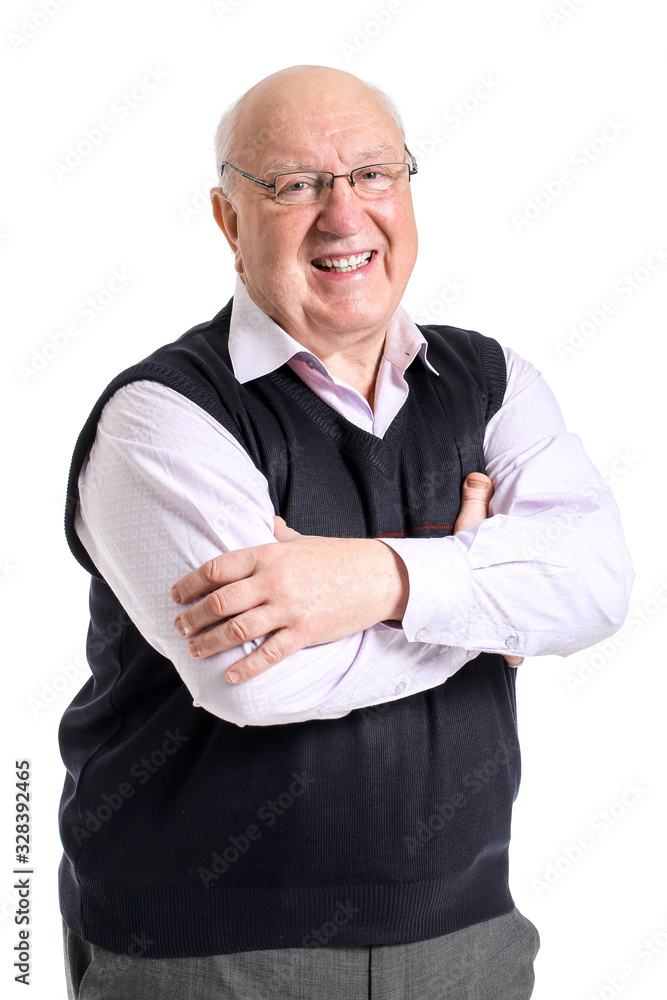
304 592
475 496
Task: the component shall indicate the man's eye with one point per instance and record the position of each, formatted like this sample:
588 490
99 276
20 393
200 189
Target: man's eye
297 186
376 178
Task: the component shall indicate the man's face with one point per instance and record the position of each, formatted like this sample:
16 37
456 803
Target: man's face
323 121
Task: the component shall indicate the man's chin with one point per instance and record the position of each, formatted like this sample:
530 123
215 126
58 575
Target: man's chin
348 317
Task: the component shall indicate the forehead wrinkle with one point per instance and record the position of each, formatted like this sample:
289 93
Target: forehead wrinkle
319 131
363 158
367 156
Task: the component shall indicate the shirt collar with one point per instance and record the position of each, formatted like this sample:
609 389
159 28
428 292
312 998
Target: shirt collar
257 345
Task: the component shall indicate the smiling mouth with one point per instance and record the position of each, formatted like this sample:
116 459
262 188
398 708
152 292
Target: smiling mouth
341 265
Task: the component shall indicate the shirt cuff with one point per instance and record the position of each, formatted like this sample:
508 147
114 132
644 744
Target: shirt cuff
439 577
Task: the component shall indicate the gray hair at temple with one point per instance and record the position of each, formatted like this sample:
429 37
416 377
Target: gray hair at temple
227 133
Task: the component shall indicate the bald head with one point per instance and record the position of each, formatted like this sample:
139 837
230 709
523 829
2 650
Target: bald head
266 113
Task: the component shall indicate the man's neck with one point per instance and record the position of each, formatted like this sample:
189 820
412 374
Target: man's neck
357 364
360 377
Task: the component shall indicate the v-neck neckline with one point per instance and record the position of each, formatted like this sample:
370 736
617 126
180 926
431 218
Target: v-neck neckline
366 446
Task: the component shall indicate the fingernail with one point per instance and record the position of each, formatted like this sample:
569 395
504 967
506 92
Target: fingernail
175 594
193 649
476 484
233 676
178 625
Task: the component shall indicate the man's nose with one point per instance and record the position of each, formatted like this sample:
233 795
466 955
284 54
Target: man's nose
342 211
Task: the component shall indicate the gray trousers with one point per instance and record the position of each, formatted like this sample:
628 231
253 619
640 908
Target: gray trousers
492 960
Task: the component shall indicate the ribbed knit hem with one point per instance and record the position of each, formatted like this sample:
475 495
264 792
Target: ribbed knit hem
184 920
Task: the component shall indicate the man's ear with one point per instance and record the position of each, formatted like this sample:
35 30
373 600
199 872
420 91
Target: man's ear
226 216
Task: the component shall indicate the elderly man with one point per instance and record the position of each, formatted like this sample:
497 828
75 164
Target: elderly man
292 772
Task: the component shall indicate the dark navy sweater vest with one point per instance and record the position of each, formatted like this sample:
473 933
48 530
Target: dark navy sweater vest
188 835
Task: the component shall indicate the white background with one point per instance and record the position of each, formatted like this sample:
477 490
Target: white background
138 203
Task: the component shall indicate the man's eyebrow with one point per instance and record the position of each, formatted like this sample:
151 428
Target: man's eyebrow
365 158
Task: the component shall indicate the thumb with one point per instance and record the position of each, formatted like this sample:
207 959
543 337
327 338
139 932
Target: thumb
281 532
475 495
513 661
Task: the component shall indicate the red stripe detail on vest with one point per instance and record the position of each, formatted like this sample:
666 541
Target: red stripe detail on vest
421 527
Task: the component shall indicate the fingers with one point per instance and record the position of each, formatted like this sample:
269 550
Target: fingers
475 496
281 532
513 661
275 648
229 600
222 569
254 624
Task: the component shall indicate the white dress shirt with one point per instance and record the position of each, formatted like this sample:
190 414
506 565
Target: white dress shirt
166 487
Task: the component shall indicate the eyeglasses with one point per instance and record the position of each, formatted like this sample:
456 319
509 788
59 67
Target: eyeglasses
306 187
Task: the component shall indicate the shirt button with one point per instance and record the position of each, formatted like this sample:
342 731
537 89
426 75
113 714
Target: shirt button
511 641
310 364
400 687
420 633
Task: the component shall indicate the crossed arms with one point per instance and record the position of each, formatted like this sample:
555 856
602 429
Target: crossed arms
305 592
166 489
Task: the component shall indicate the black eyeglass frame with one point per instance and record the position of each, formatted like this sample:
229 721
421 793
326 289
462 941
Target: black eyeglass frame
412 169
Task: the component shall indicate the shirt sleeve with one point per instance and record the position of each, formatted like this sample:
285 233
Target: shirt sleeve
548 571
165 488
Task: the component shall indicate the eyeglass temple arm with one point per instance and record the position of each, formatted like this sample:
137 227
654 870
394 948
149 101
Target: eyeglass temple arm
244 174
413 166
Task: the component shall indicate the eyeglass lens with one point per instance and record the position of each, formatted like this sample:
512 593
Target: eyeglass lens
310 186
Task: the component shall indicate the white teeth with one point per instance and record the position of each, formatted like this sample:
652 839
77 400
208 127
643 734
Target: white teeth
344 264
